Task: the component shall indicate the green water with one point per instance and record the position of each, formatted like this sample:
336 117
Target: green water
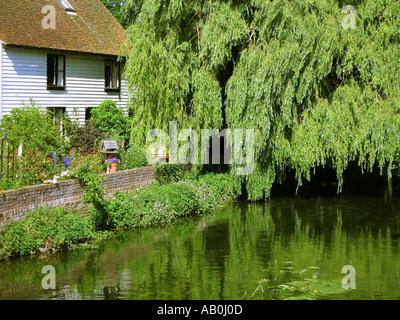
289 248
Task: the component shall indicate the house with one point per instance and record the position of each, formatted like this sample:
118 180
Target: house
60 53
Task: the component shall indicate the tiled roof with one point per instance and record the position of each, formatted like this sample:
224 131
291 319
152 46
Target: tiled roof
92 30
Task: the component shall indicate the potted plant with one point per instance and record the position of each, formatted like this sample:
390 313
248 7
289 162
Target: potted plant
113 164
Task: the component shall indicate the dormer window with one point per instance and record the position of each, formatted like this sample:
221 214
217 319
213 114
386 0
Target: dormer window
68 8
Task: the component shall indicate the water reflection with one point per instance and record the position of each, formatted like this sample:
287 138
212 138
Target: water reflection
286 248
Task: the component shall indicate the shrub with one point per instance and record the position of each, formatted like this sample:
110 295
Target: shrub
47 228
16 240
166 172
147 206
123 213
88 169
181 196
32 126
109 118
33 167
134 157
221 183
84 139
161 203
99 217
73 229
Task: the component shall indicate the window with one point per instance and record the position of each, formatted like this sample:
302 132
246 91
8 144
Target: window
58 115
55 72
112 76
88 113
68 8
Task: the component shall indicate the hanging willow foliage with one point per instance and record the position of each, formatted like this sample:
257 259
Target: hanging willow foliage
316 93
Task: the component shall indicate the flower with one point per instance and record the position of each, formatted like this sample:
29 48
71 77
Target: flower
113 160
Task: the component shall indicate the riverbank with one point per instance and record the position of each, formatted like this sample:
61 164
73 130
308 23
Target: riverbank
51 229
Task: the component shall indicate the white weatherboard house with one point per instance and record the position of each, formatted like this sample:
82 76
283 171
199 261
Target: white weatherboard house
62 54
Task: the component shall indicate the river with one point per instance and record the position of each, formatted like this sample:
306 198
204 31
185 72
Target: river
337 247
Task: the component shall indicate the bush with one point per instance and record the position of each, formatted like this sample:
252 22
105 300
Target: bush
109 118
221 183
74 229
84 139
33 167
88 169
32 126
47 228
161 203
133 210
134 157
122 213
99 217
166 172
182 197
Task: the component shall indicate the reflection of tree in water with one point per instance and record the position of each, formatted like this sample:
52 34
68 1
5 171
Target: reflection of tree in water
281 249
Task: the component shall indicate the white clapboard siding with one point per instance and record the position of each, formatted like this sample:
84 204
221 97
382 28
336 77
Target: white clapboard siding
24 77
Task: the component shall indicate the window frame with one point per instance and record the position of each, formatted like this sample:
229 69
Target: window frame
52 75
108 75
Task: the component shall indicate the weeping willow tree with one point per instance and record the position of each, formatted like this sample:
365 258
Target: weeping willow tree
318 91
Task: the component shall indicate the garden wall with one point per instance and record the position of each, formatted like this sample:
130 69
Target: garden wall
14 204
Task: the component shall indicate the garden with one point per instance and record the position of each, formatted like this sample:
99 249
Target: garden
40 152
49 155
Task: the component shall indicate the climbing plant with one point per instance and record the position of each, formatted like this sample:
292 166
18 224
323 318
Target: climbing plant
316 91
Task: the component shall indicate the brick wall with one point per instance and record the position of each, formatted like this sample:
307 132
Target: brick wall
14 204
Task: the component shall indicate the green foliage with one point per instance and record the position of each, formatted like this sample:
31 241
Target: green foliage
222 184
85 139
53 228
160 204
45 228
32 126
88 170
316 94
124 16
166 173
108 118
99 217
181 196
134 157
33 168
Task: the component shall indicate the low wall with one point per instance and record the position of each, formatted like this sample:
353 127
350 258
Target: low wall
14 204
